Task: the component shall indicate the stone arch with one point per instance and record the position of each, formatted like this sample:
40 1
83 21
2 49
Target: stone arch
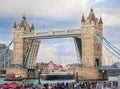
97 62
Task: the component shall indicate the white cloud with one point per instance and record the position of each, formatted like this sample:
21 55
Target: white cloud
57 9
97 1
47 52
46 8
70 47
111 19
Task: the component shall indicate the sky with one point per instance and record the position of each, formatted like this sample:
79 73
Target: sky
58 15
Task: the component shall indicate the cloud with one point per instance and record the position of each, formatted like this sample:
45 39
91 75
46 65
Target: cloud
111 19
45 8
97 1
58 10
49 52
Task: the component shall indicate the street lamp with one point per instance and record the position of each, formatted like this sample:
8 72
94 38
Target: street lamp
39 74
76 77
103 73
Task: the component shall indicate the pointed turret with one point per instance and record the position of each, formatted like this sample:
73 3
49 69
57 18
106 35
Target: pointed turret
83 18
14 25
100 21
32 27
23 21
91 15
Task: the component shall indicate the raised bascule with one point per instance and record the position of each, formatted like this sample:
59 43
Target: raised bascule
89 50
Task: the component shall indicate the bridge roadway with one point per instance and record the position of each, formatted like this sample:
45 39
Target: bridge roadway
54 34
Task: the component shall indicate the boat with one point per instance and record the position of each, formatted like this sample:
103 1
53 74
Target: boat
13 77
58 76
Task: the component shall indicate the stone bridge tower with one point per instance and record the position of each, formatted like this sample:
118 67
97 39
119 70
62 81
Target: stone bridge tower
91 48
21 45
20 48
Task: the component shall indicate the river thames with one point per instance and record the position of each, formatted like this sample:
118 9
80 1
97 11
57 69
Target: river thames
35 81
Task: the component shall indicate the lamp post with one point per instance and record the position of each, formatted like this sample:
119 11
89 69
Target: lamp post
76 77
103 73
39 74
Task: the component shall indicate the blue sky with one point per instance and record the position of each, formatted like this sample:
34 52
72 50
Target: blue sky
58 15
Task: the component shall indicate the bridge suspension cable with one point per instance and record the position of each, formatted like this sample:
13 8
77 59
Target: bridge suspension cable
108 46
112 46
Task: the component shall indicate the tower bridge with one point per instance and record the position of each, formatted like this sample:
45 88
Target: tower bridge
89 50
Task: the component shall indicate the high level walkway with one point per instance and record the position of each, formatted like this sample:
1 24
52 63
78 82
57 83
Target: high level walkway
54 34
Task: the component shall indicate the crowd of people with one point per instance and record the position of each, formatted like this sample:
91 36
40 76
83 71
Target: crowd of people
82 85
75 85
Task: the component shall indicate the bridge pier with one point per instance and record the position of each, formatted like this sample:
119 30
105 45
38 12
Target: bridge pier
91 74
17 71
24 72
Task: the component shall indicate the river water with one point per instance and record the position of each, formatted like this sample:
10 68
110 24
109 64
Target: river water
35 81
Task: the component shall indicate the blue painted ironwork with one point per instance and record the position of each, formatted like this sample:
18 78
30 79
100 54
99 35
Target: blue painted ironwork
27 57
31 72
5 50
116 54
112 46
106 45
